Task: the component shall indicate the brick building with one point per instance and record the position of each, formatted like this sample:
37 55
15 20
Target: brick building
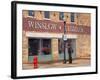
43 30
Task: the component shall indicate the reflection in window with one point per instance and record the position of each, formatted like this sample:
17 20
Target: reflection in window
33 47
46 14
61 15
60 46
46 49
72 17
31 13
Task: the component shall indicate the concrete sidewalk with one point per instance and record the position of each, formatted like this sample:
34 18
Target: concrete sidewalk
75 63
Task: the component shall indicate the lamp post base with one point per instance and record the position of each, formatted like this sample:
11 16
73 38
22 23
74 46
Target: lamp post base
64 61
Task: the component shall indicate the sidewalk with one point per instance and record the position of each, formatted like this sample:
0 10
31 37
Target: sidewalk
75 63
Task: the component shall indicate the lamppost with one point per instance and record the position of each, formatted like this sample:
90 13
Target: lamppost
64 41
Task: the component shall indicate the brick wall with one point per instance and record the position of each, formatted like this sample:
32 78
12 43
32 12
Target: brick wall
54 46
24 48
83 46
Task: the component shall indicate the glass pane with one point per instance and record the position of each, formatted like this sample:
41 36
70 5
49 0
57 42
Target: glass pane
46 48
46 14
31 13
72 17
61 16
60 46
33 47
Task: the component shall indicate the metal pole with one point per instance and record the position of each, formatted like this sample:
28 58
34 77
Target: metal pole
64 43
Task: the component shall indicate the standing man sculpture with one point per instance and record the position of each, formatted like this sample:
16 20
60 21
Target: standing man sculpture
70 51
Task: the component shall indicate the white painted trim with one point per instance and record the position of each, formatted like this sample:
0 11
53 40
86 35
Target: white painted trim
48 35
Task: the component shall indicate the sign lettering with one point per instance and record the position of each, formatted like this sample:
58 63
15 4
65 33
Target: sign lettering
31 24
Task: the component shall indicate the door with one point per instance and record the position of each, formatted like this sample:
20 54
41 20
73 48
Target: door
61 49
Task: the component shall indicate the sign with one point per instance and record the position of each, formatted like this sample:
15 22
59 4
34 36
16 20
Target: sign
78 29
32 24
65 37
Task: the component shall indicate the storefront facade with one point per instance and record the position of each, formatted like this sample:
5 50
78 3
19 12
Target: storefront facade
42 37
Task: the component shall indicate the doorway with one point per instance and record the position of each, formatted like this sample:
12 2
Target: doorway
61 49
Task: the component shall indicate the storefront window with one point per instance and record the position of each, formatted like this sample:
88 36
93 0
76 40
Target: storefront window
46 48
39 46
33 47
60 46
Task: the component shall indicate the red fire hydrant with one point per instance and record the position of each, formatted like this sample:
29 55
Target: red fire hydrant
35 62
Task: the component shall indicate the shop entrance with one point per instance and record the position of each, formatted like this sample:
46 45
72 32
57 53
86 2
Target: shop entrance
61 52
40 48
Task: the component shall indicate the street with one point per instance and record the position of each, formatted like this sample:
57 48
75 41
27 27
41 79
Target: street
60 64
